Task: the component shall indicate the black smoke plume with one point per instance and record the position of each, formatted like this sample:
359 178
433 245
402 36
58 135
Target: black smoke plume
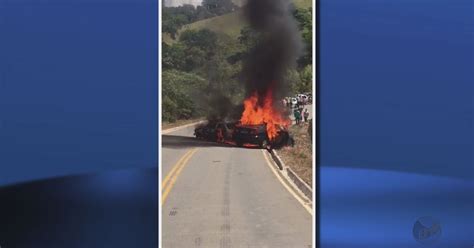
223 108
277 49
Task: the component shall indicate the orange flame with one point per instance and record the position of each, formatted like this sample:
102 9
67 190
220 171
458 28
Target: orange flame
256 114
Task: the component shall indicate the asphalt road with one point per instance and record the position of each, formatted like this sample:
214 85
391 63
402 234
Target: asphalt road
223 196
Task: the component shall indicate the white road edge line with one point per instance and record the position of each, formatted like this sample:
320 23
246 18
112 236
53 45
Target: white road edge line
282 181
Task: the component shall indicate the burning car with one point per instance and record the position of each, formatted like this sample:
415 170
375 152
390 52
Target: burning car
262 123
251 134
209 131
257 135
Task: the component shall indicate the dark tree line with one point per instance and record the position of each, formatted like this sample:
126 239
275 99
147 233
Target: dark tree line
305 24
197 76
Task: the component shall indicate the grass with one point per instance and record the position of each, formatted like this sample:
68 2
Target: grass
167 38
300 157
229 24
303 3
167 125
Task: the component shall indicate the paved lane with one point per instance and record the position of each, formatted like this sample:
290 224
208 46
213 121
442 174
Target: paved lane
174 146
227 197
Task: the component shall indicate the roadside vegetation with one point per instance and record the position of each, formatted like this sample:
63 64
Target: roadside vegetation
299 158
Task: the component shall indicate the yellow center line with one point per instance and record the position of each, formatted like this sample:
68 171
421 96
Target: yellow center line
173 175
176 166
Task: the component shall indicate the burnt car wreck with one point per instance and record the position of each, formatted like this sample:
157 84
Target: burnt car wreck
210 131
241 135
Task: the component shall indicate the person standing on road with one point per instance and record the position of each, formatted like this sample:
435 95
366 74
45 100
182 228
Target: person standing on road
306 115
297 115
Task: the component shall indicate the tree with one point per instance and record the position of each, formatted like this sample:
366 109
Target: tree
173 55
300 81
173 22
200 46
305 24
219 7
203 39
306 77
248 38
179 91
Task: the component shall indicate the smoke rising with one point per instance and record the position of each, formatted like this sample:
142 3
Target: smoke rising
222 108
276 51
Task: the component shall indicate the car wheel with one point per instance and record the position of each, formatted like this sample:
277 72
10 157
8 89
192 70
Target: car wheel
264 144
239 144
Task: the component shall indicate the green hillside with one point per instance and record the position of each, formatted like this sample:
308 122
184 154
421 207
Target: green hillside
303 3
229 24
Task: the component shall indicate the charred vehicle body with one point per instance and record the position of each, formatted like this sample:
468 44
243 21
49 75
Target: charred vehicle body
210 130
251 134
257 135
241 134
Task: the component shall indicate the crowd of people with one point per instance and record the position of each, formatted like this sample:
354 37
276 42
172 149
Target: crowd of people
300 113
